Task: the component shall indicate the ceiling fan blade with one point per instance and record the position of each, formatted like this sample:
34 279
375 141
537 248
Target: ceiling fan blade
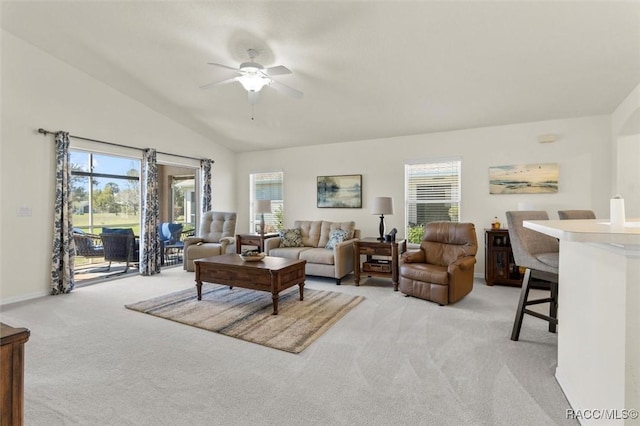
219 83
278 70
286 89
224 66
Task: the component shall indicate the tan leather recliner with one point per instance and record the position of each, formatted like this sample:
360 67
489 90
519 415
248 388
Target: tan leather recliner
216 236
442 269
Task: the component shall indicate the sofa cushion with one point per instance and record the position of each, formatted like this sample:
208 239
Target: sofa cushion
123 231
310 232
328 227
288 252
290 237
204 250
336 236
318 255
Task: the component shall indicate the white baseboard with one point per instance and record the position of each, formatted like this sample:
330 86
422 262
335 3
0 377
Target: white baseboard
22 298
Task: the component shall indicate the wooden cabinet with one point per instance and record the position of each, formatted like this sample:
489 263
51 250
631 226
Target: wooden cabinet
381 259
12 342
499 266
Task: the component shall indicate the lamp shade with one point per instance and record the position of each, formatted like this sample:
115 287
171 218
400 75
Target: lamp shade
262 206
382 205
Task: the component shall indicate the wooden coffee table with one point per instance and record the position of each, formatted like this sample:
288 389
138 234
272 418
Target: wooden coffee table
272 274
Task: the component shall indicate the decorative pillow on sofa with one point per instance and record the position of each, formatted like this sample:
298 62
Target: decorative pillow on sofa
336 236
290 237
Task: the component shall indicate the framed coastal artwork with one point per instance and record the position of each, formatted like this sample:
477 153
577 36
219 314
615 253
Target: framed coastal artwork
524 179
342 191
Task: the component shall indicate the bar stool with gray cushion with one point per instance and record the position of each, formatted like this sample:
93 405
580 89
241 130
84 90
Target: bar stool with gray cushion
576 214
538 253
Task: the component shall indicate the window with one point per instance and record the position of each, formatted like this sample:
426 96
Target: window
105 192
183 199
267 186
432 193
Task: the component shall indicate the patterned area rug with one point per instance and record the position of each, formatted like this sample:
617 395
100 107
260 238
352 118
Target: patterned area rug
247 314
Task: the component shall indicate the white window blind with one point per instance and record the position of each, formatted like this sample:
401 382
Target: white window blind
267 186
432 194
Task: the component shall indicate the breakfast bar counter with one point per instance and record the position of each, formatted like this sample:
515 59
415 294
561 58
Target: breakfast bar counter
598 318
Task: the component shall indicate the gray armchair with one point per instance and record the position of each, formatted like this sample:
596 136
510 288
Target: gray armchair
539 254
216 236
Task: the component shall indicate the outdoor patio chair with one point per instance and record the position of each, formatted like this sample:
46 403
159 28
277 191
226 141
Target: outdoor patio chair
170 238
87 245
120 245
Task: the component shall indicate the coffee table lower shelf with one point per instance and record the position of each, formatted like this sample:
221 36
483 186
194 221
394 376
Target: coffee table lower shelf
271 274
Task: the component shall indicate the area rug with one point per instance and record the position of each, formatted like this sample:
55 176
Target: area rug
247 314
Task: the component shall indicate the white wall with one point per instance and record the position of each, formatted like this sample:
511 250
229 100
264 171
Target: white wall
625 131
628 173
582 151
41 91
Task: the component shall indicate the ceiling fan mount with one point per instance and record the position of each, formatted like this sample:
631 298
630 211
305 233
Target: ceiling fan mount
254 76
251 66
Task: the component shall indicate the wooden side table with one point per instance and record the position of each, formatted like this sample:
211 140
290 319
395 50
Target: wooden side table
12 342
499 265
252 240
386 268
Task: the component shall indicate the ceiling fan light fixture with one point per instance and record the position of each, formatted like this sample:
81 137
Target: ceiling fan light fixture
253 82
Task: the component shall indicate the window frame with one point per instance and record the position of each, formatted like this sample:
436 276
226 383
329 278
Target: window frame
434 192
270 219
91 176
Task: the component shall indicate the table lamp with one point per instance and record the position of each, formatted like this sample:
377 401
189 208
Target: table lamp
262 207
382 206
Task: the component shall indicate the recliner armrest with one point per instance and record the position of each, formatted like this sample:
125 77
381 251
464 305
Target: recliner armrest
227 240
463 263
191 240
414 256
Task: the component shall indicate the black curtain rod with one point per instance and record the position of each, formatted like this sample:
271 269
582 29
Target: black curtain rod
47 132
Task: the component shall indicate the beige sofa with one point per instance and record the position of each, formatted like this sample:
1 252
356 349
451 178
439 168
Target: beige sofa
334 263
216 236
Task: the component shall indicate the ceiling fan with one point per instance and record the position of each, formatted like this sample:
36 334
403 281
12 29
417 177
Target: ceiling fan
253 77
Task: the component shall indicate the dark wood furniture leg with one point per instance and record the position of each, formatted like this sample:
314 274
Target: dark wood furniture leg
199 289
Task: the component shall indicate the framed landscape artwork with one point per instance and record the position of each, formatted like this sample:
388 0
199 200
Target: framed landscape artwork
524 179
343 191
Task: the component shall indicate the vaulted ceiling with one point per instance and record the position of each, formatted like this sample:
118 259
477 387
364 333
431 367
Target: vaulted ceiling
367 69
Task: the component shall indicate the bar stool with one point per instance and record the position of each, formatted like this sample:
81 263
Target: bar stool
576 214
539 254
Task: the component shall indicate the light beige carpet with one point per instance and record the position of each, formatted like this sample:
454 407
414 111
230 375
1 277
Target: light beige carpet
247 314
